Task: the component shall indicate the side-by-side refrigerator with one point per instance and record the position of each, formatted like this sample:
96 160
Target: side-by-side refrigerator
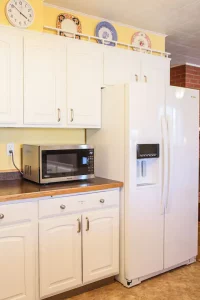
151 143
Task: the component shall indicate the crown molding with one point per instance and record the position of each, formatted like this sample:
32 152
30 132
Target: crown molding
192 65
100 19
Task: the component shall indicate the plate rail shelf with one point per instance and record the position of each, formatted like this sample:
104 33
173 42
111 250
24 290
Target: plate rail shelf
91 38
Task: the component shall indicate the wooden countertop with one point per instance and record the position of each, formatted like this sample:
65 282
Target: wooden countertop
22 189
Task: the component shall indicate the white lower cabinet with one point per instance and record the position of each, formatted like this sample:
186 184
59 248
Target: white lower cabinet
18 245
100 244
78 240
60 254
54 245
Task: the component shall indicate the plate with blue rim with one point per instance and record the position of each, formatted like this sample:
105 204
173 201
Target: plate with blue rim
107 31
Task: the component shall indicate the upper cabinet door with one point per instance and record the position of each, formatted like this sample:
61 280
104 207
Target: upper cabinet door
84 82
60 254
155 70
11 73
100 244
121 66
44 80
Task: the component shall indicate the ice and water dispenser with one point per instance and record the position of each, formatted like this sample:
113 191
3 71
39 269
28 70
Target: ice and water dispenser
147 164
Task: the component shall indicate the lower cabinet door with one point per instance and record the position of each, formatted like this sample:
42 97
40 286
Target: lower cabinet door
100 244
60 254
18 262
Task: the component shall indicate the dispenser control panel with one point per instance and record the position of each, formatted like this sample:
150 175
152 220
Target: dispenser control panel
147 151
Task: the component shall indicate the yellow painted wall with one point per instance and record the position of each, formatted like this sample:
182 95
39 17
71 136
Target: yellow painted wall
38 9
45 15
20 136
89 25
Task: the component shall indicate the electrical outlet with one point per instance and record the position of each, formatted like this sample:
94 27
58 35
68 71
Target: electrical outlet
10 147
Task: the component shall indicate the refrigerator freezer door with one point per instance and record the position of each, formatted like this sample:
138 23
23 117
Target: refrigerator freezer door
182 114
144 218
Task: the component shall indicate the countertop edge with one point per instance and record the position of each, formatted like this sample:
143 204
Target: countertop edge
57 192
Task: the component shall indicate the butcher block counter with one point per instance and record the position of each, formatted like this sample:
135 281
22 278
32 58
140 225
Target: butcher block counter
22 189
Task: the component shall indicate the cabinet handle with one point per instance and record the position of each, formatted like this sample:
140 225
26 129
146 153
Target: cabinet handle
62 206
1 216
59 117
79 226
102 200
72 115
145 78
88 224
136 77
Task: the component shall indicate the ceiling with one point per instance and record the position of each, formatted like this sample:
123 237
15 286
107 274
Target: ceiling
179 19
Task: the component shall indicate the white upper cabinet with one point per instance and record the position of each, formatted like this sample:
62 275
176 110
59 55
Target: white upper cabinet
44 80
84 82
121 66
155 69
11 77
125 66
60 254
100 244
51 81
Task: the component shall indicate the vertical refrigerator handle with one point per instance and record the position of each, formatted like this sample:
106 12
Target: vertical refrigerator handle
165 164
169 123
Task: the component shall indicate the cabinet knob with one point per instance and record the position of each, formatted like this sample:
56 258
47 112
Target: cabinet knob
62 206
1 216
102 200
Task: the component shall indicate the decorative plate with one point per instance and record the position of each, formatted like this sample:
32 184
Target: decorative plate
69 23
141 39
107 31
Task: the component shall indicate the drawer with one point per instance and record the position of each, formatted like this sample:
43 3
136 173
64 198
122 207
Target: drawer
19 212
75 203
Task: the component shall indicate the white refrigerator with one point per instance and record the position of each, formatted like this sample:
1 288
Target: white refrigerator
151 143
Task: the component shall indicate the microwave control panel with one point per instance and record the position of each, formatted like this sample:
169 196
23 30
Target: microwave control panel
91 161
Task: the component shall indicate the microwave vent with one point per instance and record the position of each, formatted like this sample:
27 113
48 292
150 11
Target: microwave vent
28 170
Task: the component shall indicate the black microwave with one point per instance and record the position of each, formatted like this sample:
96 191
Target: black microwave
57 163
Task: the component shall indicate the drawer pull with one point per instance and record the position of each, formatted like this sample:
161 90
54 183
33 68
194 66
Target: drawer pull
1 216
88 224
62 206
79 225
102 200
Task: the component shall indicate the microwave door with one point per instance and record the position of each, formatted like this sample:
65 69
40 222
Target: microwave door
66 164
58 163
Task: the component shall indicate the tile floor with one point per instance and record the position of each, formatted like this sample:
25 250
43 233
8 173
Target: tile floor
179 284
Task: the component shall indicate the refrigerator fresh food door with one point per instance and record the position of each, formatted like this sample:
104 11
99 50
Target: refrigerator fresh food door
181 206
144 211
